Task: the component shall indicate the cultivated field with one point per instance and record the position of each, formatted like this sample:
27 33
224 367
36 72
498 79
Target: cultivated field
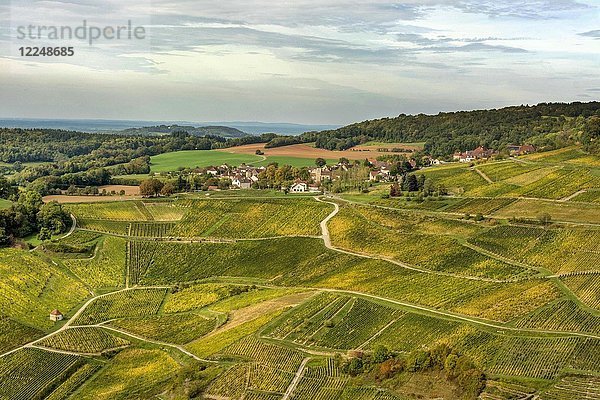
280 297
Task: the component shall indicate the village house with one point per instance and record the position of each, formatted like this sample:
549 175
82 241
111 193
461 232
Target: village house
480 153
320 174
519 150
56 315
241 182
299 187
374 176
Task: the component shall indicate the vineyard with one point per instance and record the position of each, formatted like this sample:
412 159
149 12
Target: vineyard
31 373
501 171
576 248
126 303
30 288
84 340
73 382
172 328
574 388
351 230
586 287
570 211
104 226
249 218
339 322
225 297
133 374
588 196
411 331
536 358
14 334
118 211
479 206
563 315
106 268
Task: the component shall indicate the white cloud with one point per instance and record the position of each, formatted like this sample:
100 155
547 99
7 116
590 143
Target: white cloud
331 61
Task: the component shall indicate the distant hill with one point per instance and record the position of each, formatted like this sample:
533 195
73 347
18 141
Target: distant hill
223 131
548 125
113 126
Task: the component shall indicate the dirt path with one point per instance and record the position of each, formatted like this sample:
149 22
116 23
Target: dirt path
376 335
327 240
572 196
484 176
72 228
296 379
158 342
71 320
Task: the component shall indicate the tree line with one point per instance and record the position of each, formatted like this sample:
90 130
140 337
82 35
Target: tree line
28 215
546 125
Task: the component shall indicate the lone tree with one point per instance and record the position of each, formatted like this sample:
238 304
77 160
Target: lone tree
151 187
320 162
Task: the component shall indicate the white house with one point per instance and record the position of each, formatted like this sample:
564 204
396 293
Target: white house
56 315
299 187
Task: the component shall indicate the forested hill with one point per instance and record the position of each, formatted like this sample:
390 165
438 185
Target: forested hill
546 125
223 131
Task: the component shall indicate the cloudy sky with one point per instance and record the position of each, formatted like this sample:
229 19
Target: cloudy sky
303 61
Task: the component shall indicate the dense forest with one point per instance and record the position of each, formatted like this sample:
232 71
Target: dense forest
89 159
547 125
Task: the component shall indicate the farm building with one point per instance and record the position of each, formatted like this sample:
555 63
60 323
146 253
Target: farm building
56 315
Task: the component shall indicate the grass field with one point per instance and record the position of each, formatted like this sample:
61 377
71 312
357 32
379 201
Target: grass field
198 158
5 204
566 211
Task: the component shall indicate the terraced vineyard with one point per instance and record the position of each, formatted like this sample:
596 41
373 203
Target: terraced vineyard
249 218
105 267
246 298
31 373
126 303
84 340
563 315
574 388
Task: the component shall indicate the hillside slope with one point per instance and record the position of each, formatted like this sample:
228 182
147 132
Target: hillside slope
546 124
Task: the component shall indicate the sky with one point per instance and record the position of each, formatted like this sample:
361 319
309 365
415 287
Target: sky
301 61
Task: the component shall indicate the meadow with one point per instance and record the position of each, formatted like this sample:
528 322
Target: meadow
5 204
198 158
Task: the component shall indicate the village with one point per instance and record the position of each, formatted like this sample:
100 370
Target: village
317 179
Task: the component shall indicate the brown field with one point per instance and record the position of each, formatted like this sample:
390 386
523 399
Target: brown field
388 146
306 151
131 192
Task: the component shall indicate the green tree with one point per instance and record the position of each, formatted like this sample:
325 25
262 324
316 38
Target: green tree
380 354
168 189
320 162
151 187
53 218
44 234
